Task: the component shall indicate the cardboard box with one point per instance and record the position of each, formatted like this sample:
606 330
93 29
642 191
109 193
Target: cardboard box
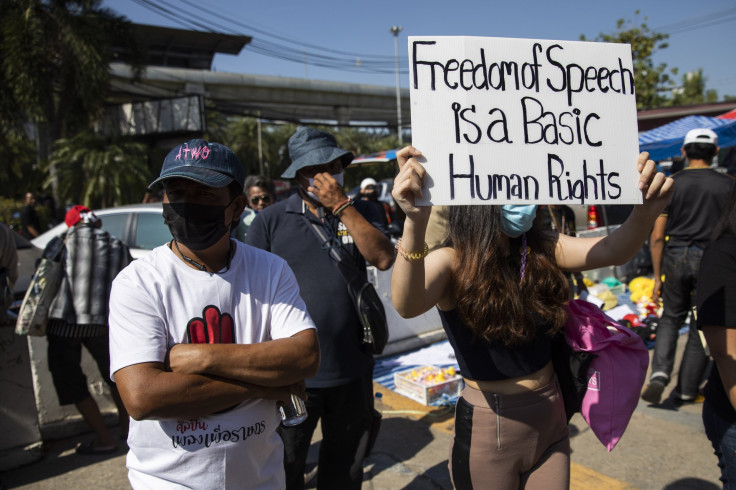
428 384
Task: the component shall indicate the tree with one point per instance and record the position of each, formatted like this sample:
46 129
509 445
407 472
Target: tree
240 134
18 172
100 172
652 81
692 90
361 141
54 66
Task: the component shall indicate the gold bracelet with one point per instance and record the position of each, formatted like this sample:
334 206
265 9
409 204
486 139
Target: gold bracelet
411 256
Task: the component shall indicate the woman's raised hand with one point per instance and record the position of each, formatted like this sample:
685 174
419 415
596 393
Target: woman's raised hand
655 187
409 182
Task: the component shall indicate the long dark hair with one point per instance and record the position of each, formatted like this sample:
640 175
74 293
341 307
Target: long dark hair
490 295
727 223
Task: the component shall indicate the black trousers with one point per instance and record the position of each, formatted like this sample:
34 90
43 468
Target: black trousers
346 415
680 266
65 364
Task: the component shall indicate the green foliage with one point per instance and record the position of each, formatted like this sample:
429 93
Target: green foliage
651 80
362 142
18 171
240 134
100 172
55 58
655 83
54 73
692 90
10 212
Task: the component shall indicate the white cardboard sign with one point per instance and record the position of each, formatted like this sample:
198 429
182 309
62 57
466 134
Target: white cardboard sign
513 121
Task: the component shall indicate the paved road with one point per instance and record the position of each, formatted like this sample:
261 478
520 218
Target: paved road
664 447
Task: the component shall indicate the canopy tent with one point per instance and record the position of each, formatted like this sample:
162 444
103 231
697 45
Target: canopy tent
728 115
666 141
378 157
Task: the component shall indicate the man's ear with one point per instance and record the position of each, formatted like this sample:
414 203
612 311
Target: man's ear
239 204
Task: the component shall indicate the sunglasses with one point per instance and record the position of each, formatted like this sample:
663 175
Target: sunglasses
265 198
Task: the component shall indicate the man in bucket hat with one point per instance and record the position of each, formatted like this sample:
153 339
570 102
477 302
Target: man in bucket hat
207 335
677 242
341 394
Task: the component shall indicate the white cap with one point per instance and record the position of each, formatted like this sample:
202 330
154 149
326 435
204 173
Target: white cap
701 135
366 182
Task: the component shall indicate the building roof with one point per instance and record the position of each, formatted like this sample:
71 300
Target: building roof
181 48
653 118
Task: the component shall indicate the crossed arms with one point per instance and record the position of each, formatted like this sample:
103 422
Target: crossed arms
201 379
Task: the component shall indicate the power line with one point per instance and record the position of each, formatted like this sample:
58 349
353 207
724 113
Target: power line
347 62
691 24
325 57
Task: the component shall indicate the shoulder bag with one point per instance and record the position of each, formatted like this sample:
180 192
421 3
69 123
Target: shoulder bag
34 311
616 372
367 303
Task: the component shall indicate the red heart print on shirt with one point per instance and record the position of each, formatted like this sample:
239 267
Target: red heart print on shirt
213 328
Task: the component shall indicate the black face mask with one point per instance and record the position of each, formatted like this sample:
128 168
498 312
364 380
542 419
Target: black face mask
197 226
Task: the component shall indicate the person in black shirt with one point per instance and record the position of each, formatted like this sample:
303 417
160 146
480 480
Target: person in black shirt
369 193
340 396
680 234
29 222
717 319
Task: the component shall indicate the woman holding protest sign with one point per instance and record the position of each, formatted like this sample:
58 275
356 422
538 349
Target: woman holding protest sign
501 294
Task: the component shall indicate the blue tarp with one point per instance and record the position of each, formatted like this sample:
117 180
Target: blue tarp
666 141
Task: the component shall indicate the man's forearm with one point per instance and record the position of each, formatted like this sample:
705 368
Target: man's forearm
149 392
372 244
656 245
656 249
278 362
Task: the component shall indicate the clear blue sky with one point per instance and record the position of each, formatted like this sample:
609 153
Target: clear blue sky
701 32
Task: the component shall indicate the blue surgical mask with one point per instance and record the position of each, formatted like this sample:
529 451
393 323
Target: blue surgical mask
517 219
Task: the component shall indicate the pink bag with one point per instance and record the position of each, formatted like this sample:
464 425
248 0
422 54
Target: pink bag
615 376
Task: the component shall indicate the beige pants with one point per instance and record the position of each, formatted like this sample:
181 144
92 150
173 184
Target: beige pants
511 441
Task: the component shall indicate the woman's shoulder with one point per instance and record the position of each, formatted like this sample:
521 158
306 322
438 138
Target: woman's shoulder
443 258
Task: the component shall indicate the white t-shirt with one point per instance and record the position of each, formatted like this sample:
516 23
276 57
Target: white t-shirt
158 301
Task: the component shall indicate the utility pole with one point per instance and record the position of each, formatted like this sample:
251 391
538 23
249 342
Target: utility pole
395 31
260 144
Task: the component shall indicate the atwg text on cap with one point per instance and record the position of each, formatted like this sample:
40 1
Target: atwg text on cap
211 164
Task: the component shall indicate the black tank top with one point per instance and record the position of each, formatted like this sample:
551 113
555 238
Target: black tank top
480 360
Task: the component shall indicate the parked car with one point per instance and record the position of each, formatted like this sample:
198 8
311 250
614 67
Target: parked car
607 215
28 255
140 226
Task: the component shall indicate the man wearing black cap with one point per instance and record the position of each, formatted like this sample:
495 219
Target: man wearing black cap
677 242
341 394
206 336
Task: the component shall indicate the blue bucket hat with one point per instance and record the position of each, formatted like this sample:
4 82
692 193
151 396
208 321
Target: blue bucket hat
309 147
211 164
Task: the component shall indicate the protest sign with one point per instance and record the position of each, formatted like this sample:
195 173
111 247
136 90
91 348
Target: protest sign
513 121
